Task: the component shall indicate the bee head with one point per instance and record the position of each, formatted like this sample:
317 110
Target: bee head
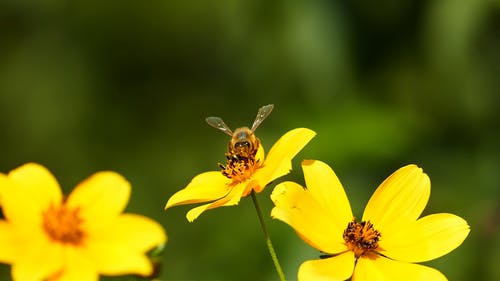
244 142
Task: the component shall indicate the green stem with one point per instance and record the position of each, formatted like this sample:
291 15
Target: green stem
268 238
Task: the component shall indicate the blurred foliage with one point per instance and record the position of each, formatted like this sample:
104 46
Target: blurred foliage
126 85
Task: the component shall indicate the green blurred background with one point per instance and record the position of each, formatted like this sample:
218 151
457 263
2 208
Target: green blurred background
126 85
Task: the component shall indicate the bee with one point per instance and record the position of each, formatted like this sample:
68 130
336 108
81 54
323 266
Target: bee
243 143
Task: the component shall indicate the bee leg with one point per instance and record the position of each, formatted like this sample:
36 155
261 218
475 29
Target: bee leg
224 170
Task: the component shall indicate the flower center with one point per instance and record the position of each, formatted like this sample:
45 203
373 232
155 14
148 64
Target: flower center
361 238
239 168
63 224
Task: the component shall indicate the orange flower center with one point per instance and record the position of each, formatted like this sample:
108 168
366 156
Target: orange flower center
361 238
63 224
239 168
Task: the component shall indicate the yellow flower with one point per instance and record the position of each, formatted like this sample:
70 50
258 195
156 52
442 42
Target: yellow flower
385 244
48 237
253 175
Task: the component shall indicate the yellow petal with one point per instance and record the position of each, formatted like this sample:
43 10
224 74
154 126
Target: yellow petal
36 258
121 247
255 184
278 162
28 245
208 186
385 269
28 191
102 196
428 238
77 267
399 200
299 209
260 155
332 269
232 198
7 245
326 189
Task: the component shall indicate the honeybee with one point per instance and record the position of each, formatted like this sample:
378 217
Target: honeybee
243 143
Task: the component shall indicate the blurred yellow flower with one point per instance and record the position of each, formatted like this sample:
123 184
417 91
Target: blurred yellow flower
253 175
387 241
48 237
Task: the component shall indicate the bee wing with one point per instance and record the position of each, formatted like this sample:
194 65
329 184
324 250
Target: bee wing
218 124
261 115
